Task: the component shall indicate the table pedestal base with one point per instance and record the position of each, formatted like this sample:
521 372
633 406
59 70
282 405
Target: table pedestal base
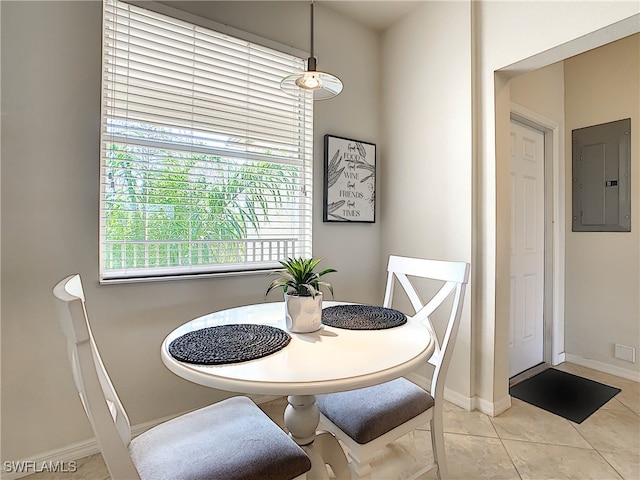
301 418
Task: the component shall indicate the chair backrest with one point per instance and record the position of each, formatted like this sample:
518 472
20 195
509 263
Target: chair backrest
101 403
453 277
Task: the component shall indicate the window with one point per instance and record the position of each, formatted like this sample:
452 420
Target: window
205 162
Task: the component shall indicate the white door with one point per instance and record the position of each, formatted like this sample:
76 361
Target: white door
526 339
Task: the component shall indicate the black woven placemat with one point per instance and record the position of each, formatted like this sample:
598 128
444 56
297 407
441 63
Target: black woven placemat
228 344
362 317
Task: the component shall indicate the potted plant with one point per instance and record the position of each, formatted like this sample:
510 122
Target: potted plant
302 296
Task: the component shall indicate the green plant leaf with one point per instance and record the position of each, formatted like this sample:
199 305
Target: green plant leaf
299 277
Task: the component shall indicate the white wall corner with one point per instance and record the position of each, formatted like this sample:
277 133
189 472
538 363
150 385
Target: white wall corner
559 358
493 409
462 401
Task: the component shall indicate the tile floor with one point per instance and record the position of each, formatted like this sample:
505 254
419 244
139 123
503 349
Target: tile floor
524 442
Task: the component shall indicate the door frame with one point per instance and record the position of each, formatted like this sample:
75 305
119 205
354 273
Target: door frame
554 223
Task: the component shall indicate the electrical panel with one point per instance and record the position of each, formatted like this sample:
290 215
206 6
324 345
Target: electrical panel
602 177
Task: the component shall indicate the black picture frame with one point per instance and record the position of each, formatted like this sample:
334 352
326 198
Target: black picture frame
349 180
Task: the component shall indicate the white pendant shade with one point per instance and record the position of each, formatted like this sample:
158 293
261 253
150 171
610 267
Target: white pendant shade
323 85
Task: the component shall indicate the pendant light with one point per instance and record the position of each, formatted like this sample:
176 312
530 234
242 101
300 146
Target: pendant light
322 85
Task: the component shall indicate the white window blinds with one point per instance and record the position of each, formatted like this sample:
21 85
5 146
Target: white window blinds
206 163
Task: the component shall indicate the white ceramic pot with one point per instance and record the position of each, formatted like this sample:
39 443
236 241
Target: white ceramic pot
304 314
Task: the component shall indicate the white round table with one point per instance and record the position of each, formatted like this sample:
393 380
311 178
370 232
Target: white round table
328 360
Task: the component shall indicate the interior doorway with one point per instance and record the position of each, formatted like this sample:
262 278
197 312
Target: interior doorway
526 312
503 108
536 337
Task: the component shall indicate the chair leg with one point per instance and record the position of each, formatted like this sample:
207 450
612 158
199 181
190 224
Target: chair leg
437 441
333 455
360 470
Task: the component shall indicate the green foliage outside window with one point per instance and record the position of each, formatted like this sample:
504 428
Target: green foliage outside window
186 208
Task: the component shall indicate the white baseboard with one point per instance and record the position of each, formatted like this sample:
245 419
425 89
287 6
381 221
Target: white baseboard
603 367
558 359
418 379
65 455
493 409
452 396
260 399
458 399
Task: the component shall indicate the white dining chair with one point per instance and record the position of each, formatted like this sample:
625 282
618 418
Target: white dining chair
368 419
231 439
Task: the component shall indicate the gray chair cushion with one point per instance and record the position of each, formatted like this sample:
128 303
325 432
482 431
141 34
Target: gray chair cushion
367 413
229 440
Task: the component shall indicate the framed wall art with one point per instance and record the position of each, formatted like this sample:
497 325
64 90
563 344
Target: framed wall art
349 180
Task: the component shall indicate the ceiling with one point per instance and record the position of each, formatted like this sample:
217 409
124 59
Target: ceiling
376 14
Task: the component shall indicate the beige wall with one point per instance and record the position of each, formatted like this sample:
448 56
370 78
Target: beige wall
50 190
603 268
426 175
542 91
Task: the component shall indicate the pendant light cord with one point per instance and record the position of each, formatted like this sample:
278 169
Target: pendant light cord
312 52
322 84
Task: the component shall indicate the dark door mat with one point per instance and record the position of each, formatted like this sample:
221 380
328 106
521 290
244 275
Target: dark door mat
572 397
